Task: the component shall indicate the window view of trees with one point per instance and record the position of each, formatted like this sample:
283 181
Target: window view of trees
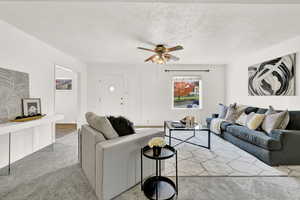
186 93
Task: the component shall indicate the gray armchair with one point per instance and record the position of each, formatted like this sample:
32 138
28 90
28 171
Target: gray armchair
113 166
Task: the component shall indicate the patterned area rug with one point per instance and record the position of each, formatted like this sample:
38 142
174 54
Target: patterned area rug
224 159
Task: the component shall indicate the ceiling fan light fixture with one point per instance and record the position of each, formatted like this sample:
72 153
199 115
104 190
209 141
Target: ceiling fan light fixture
162 54
158 60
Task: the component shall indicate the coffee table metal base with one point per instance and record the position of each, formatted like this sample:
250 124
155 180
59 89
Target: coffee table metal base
189 138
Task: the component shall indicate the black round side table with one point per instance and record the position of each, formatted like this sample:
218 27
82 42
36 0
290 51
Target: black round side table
159 187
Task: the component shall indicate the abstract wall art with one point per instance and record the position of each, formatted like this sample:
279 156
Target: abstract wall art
14 86
273 78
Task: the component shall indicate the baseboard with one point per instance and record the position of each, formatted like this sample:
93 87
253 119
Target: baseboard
149 126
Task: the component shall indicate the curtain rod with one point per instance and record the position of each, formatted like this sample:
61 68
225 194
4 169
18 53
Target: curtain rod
187 70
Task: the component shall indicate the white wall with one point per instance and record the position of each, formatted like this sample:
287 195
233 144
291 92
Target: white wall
22 52
237 77
66 100
149 90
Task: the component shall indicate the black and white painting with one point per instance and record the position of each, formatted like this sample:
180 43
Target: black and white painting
273 78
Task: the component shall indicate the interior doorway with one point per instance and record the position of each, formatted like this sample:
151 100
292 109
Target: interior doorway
111 96
66 100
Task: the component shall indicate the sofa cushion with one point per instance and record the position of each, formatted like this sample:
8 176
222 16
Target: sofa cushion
101 124
257 138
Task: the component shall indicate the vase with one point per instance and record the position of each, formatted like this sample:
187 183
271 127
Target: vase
156 151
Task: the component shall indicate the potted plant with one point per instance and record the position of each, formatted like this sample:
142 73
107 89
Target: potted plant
156 144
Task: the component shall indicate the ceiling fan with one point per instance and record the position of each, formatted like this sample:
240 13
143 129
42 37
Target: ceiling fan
162 55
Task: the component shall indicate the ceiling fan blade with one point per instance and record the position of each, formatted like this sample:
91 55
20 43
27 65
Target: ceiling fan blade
142 48
171 57
150 58
176 48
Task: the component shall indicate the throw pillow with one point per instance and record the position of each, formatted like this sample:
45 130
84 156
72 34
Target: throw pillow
222 111
230 115
273 121
271 110
242 119
121 125
234 111
250 109
101 124
285 121
255 121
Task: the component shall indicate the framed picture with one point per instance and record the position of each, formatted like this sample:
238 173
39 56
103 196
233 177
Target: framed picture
63 84
273 78
187 93
31 106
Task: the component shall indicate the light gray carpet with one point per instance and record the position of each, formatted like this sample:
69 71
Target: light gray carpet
56 175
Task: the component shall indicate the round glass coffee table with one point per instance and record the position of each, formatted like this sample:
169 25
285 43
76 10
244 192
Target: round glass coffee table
159 187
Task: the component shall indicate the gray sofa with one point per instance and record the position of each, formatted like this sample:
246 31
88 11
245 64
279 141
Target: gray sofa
282 147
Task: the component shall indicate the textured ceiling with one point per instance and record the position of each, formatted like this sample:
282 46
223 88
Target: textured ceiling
110 32
173 1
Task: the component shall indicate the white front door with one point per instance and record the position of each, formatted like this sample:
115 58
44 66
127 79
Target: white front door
111 95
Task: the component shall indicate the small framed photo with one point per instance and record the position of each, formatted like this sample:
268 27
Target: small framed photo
31 106
63 84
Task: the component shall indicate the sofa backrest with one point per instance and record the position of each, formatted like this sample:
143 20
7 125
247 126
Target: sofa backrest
294 123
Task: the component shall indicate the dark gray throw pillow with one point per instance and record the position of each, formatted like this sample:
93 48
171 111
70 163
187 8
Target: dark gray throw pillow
121 125
222 111
250 110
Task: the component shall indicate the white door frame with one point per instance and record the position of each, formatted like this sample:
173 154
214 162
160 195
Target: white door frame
77 75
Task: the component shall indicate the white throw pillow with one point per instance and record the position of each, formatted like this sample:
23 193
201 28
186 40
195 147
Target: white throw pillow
242 119
286 118
285 121
101 124
273 121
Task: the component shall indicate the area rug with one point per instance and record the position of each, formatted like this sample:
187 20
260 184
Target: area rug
223 159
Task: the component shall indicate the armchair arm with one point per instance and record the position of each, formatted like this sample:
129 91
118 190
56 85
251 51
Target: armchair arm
140 137
118 163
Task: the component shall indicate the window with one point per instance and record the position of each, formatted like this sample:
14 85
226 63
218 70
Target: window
187 93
